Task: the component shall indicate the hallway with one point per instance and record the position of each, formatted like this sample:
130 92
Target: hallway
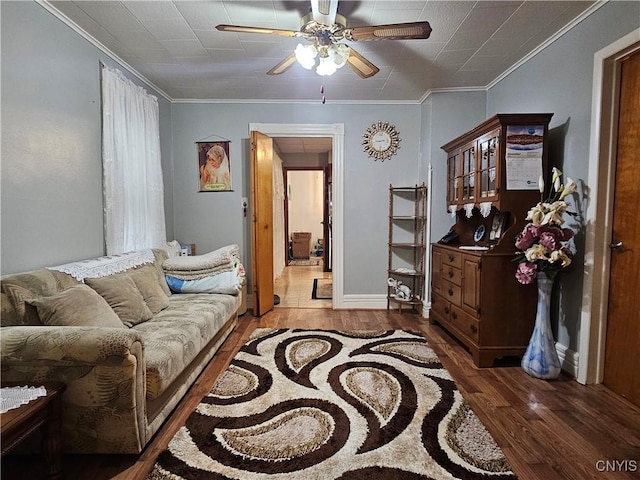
295 285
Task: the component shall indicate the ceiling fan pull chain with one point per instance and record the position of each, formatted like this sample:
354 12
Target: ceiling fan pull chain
322 92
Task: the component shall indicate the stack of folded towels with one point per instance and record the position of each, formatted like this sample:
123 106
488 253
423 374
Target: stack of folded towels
219 271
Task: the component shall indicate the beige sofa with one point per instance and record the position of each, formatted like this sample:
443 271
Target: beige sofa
124 376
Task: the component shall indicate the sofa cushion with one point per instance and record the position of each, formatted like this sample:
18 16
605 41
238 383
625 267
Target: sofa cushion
146 279
123 296
175 336
76 306
20 286
18 297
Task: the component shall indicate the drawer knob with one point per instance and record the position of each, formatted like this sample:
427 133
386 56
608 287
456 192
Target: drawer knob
450 273
446 310
451 257
454 315
450 292
474 329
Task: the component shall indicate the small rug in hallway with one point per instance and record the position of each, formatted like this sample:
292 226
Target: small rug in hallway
327 405
305 262
322 289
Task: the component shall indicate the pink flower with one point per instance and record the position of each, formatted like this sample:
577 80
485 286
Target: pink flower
526 272
548 239
551 235
527 237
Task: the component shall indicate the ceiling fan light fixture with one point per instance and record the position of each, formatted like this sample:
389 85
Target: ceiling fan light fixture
339 53
326 67
306 55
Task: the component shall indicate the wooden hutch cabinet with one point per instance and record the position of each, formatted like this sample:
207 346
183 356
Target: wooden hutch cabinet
492 182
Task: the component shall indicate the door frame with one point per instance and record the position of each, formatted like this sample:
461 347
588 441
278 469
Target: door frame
336 132
601 180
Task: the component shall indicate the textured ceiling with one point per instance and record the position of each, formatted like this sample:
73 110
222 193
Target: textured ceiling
288 145
175 46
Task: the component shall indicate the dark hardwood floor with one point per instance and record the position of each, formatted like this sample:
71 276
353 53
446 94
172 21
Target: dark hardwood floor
547 429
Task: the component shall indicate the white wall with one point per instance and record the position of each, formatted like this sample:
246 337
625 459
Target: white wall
214 219
452 114
306 192
51 177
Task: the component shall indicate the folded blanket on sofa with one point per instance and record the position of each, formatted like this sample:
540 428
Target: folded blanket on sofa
225 256
226 282
197 274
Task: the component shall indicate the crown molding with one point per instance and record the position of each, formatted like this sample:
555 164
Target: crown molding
549 41
303 102
84 34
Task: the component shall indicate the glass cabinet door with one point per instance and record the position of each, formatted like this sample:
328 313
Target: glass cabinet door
488 169
453 173
468 174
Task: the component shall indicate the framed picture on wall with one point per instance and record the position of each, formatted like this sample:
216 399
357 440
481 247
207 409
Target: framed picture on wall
214 166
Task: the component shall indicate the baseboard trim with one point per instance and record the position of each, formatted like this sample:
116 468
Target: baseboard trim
569 359
371 302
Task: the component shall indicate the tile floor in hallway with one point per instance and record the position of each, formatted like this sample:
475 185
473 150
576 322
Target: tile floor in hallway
295 285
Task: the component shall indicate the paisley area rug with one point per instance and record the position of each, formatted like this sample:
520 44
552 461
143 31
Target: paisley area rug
322 405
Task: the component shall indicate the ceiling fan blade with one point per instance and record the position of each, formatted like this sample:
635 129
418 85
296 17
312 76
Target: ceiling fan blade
324 11
395 31
271 31
363 67
283 66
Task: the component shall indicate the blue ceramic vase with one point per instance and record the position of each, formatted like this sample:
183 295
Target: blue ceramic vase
541 358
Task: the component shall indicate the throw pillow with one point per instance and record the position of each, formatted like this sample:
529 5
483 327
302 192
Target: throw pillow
146 279
18 296
76 306
123 296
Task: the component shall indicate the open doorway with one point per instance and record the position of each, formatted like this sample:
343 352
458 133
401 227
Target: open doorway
304 214
335 132
305 279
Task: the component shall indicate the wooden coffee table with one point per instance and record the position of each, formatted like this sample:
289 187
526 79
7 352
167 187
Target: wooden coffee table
42 413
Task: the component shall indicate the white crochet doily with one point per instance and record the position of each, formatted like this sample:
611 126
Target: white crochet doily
13 397
104 266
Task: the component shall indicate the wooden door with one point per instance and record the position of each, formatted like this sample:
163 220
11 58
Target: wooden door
622 352
327 215
262 222
471 284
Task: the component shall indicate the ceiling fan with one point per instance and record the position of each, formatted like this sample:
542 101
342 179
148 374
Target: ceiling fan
325 28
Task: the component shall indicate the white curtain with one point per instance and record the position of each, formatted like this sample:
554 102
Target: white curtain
279 251
133 184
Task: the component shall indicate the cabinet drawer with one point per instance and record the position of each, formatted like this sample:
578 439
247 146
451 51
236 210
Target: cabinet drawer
451 292
451 258
441 307
465 323
451 274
